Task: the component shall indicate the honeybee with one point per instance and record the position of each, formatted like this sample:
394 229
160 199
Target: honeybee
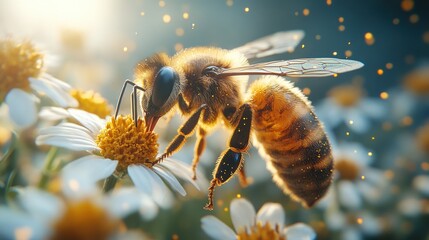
208 84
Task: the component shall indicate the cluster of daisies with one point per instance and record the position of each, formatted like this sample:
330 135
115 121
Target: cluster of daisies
97 169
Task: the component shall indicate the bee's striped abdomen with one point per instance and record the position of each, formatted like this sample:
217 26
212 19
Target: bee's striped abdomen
292 139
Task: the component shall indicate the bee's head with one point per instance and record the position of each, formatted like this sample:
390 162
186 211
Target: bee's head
162 87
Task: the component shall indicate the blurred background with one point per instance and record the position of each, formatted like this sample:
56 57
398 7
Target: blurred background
380 111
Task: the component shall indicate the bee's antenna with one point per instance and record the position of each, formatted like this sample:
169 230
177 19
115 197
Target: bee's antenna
133 99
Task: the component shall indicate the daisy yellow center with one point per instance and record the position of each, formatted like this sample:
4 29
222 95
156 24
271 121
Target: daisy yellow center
347 169
92 102
418 81
18 62
121 140
346 96
423 137
261 232
84 220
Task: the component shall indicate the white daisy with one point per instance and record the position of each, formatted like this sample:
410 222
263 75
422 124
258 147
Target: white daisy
347 104
118 147
21 73
268 223
42 215
355 180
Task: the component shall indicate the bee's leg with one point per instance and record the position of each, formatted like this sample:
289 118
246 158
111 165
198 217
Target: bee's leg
242 177
199 148
231 159
184 131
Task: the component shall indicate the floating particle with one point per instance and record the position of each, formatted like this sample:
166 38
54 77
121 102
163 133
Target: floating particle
185 15
193 26
334 53
396 21
246 9
178 47
329 2
362 177
351 122
369 38
162 3
303 46
341 19
142 13
389 66
229 3
380 71
426 37
306 91
407 5
347 133
166 18
373 138
125 49
318 37
414 18
180 32
238 195
220 202
407 121
384 95
226 209
335 75
348 53
359 220
306 12
296 13
341 28
370 154
349 43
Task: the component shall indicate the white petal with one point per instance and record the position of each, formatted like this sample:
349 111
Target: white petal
360 122
351 233
17 225
349 195
410 206
334 219
184 172
80 176
172 181
373 107
61 84
89 120
370 225
72 144
53 113
216 229
124 201
22 107
243 214
41 205
53 91
272 213
299 231
421 184
151 184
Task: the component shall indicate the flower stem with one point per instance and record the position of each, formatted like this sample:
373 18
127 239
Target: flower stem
109 183
47 168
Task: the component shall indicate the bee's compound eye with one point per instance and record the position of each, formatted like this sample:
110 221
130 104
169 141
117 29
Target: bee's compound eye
211 71
163 85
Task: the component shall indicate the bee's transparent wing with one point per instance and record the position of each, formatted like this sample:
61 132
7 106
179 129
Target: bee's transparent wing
273 44
304 67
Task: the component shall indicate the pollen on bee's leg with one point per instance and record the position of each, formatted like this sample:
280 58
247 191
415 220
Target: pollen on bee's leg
209 205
